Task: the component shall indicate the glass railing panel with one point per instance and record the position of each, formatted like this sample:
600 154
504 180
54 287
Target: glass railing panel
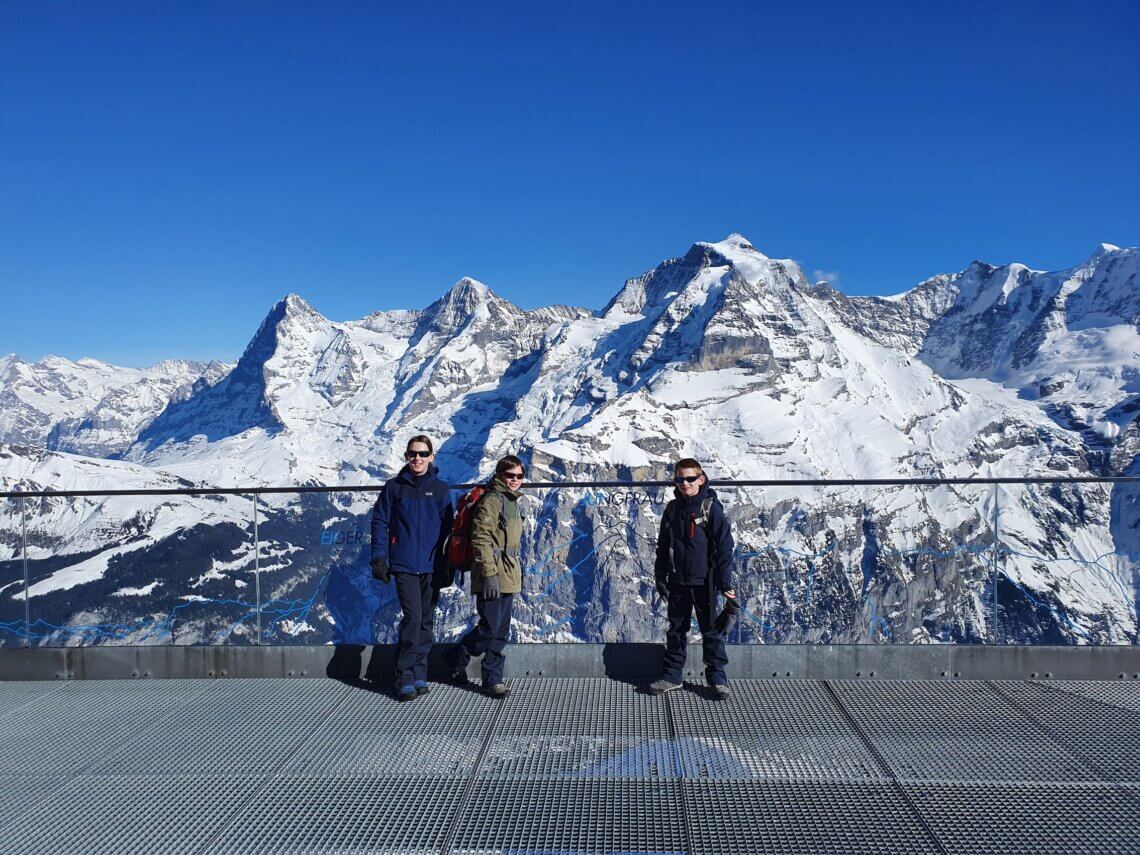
588 557
891 564
312 567
861 565
857 565
315 577
12 614
1067 564
923 554
141 570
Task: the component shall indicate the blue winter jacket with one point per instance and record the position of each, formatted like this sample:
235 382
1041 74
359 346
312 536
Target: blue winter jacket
688 545
410 523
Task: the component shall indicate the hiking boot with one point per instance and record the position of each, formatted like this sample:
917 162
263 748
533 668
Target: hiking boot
458 677
406 693
720 692
499 690
422 687
660 687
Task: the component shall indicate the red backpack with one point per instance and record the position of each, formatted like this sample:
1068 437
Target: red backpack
459 541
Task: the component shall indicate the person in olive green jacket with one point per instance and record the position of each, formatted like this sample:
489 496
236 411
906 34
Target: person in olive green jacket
496 575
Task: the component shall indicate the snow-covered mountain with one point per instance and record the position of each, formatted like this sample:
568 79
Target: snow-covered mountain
722 353
90 407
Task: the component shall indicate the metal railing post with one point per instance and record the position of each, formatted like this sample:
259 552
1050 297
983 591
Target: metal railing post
27 604
994 568
257 569
740 617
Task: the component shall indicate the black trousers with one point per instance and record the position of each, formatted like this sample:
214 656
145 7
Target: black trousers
488 637
683 599
418 604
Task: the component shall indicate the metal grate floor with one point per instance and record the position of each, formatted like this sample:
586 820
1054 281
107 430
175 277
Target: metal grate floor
968 732
771 729
569 766
1105 737
802 817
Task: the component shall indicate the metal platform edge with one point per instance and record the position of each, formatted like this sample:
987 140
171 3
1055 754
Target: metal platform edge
627 662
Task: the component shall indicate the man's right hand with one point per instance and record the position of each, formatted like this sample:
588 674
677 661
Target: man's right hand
380 570
490 587
662 589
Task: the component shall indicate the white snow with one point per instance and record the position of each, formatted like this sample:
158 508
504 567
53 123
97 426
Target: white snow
732 362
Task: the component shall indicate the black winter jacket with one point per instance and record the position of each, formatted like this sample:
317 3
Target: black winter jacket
689 545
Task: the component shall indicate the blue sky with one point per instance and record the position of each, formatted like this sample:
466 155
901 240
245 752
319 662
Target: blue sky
168 170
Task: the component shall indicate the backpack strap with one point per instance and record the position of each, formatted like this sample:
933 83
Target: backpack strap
706 514
706 522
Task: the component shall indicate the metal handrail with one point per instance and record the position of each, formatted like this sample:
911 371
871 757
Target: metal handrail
548 485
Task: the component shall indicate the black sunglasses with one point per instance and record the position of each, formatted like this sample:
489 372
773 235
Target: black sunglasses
689 479
511 476
411 455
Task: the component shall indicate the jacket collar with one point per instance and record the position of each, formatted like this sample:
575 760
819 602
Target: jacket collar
704 493
499 485
406 476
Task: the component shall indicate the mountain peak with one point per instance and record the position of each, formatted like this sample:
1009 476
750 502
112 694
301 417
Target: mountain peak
750 264
296 304
1102 250
467 297
467 291
733 246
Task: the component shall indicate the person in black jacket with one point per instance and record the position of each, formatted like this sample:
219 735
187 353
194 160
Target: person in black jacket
410 524
694 559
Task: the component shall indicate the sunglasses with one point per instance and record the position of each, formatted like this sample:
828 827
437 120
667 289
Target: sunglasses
513 476
412 455
686 479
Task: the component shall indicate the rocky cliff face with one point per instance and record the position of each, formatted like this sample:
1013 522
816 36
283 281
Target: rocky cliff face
724 354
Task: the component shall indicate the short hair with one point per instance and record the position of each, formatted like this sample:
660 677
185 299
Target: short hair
419 438
509 462
688 463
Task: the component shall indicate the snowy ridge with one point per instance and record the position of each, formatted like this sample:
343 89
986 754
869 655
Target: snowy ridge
90 407
723 353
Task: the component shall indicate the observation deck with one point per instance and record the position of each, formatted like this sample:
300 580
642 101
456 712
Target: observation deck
569 765
934 665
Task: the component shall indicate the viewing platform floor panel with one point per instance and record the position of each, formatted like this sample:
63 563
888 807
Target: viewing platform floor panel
569 765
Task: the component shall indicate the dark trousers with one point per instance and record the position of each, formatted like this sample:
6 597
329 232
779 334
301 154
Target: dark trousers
682 600
412 648
488 637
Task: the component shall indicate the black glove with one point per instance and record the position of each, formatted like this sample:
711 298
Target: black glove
442 576
662 586
380 570
728 616
491 587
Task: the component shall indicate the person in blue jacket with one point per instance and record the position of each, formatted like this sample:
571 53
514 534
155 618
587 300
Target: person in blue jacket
694 559
410 524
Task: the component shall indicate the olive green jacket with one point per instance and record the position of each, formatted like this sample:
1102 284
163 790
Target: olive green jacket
495 549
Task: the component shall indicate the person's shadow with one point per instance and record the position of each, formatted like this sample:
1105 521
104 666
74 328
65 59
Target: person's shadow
637 665
347 665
